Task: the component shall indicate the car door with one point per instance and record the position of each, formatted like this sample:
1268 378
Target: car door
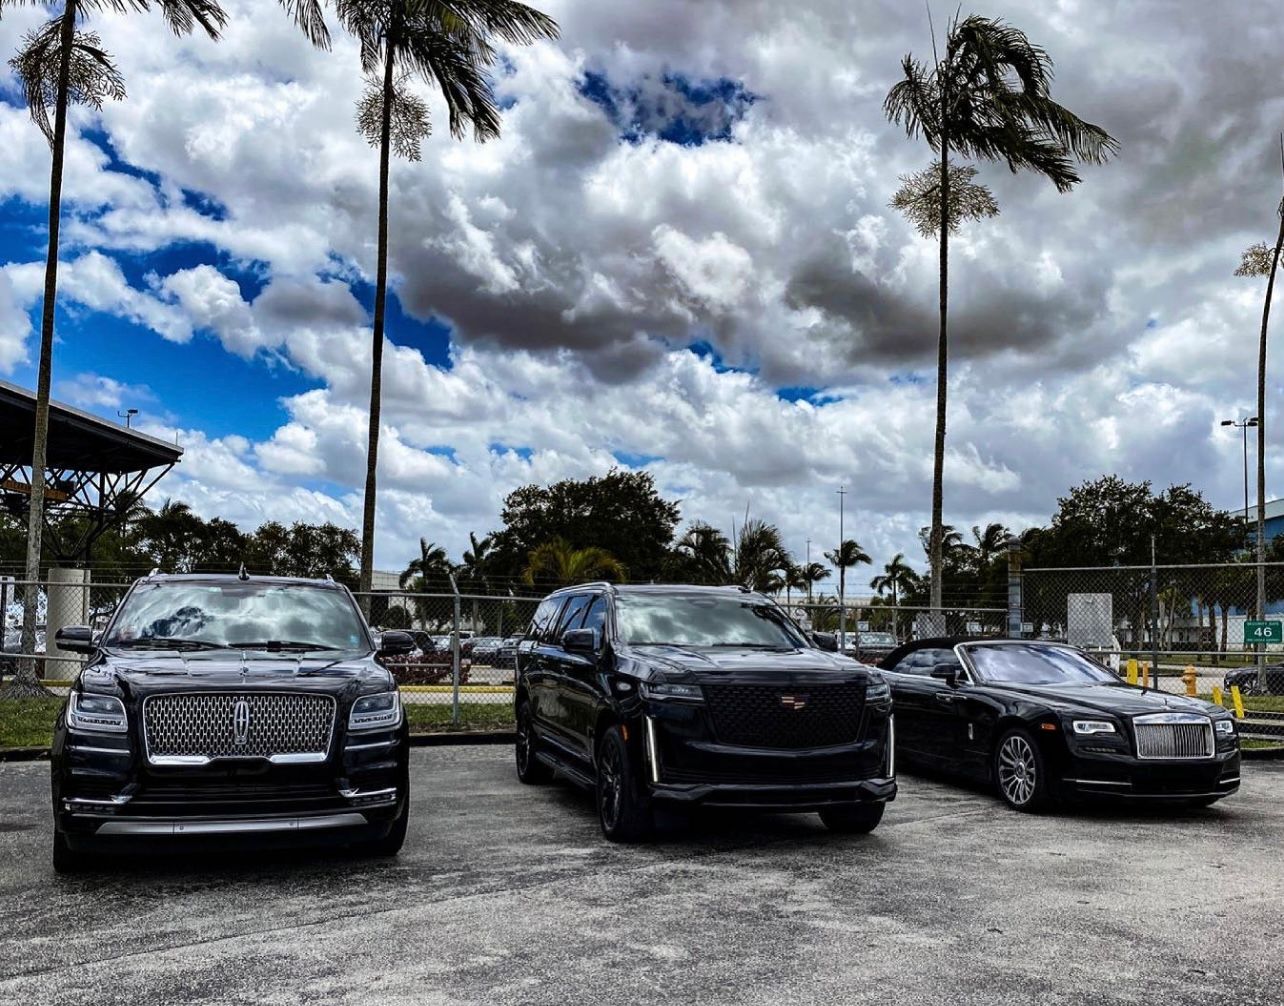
926 728
581 679
533 670
559 681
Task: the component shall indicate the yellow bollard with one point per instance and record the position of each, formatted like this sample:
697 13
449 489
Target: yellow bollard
1217 694
1132 670
1145 675
1191 678
1239 702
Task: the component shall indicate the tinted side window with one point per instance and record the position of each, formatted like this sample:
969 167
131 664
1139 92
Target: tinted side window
545 617
921 662
571 615
595 617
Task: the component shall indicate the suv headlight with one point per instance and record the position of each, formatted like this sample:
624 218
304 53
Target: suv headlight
375 712
1226 726
878 690
663 691
98 714
1089 727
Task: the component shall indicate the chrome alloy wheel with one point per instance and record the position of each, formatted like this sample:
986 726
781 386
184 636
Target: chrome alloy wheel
1018 770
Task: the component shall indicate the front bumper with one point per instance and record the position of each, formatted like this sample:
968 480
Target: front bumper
793 798
1123 776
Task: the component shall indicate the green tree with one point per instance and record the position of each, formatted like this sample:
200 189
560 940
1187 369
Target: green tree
60 65
702 555
844 557
987 97
558 564
621 512
449 44
811 574
1259 260
898 579
760 556
429 571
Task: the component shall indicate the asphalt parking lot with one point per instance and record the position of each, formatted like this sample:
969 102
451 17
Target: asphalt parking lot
506 894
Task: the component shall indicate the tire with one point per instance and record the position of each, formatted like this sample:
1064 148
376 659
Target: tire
530 769
1019 772
623 811
858 819
391 843
66 860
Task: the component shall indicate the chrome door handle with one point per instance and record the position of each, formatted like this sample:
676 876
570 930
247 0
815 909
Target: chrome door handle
942 697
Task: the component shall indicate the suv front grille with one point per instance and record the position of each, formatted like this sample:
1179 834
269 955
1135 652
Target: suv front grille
772 716
199 727
1174 735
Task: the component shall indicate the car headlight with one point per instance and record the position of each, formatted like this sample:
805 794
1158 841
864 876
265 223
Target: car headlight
99 714
878 690
375 712
1224 726
664 690
1087 727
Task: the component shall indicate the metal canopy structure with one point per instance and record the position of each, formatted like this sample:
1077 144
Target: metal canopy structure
94 469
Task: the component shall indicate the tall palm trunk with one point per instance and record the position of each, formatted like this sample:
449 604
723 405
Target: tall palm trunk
1261 432
376 346
942 372
28 678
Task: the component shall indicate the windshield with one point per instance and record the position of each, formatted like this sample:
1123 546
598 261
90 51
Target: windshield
704 620
1036 664
878 638
196 615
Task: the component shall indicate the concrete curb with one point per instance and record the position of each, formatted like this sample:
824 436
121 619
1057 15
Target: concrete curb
450 739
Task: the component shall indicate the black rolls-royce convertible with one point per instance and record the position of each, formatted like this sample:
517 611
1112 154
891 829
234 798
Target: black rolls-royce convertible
230 708
1043 721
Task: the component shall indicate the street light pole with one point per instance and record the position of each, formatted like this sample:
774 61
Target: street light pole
842 574
1243 426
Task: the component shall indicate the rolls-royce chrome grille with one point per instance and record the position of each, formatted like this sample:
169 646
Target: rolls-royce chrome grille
1174 735
192 729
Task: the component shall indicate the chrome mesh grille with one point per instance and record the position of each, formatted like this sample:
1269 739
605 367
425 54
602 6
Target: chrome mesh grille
1171 735
204 725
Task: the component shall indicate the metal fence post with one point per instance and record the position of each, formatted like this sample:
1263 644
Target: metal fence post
1016 612
1154 618
454 657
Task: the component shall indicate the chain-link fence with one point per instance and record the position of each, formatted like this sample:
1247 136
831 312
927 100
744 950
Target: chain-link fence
1211 631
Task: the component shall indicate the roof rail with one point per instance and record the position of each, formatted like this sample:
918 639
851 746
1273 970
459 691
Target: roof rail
155 570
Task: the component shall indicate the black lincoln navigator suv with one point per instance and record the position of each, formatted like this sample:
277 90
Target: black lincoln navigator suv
698 696
230 708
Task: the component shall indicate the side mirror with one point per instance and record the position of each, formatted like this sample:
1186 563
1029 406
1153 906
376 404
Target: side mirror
949 673
75 639
826 641
581 641
395 642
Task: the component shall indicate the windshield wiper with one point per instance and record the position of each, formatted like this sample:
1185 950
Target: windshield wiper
272 645
754 646
166 643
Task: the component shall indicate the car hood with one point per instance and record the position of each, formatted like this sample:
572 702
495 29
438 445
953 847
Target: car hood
735 663
1122 700
165 671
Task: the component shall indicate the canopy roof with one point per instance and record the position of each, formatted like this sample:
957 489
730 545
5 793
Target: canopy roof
77 441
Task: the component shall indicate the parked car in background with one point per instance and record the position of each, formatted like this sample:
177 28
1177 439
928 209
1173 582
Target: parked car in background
485 649
871 647
1268 680
231 708
506 656
698 697
1043 721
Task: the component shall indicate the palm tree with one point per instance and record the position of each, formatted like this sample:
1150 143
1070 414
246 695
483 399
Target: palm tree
987 97
706 552
446 43
431 565
990 543
1259 260
760 554
897 578
59 65
811 574
557 563
477 560
847 554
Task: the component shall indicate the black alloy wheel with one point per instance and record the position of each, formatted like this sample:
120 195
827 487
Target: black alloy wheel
858 819
1020 773
530 769
624 813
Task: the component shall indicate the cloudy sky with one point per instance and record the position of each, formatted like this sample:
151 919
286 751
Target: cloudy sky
679 257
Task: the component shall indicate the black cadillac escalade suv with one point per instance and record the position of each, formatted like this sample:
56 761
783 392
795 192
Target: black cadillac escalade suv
230 707
698 696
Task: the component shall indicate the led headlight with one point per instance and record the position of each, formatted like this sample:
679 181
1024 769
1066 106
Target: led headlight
1224 726
663 691
1088 727
878 690
98 714
375 712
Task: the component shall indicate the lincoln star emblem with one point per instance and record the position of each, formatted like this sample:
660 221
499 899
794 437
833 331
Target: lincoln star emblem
241 722
794 702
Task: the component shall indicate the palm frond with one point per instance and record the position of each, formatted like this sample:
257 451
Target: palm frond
309 16
92 77
183 16
919 198
409 117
